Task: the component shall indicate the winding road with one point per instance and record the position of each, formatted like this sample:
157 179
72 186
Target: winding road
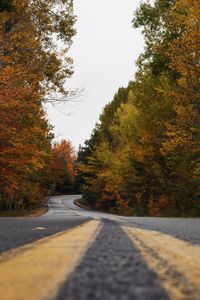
75 254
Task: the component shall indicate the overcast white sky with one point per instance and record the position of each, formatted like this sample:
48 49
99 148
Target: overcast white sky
104 51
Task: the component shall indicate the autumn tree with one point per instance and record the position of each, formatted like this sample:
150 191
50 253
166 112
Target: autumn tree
96 161
63 166
44 51
24 143
182 148
146 158
34 40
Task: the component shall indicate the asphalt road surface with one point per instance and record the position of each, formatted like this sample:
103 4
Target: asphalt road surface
74 254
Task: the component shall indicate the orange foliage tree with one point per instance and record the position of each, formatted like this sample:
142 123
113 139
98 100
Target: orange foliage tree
31 67
63 166
145 152
182 147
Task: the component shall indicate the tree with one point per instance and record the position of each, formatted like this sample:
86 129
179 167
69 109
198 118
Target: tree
44 51
34 42
24 143
182 147
146 157
153 19
63 166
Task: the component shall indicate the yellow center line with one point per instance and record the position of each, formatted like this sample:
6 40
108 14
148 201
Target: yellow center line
176 254
36 271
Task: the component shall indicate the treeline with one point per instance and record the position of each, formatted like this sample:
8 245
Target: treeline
34 40
143 158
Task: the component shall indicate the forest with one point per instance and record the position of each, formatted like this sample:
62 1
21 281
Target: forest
33 67
143 156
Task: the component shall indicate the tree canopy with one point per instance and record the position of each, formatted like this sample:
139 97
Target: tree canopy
145 160
35 37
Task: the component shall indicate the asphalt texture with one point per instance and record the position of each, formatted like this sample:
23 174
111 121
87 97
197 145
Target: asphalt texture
64 214
184 229
16 232
112 269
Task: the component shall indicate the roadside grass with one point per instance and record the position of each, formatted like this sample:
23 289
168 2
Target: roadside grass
82 203
32 211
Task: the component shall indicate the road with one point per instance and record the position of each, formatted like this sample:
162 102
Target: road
76 254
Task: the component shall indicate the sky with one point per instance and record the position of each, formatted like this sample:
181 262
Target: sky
104 51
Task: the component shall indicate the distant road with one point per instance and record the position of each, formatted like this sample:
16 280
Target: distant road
73 253
186 229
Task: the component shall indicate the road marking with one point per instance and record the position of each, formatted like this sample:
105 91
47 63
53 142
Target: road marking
175 262
69 209
38 228
37 270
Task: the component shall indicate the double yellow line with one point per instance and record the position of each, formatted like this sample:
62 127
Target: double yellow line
170 258
38 270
